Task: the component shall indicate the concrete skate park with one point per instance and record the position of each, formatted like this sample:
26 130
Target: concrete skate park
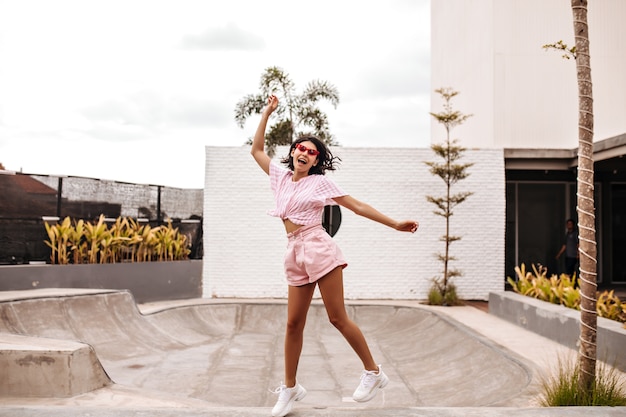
79 352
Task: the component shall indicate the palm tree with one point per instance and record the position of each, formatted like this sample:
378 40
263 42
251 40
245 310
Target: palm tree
294 111
587 353
586 212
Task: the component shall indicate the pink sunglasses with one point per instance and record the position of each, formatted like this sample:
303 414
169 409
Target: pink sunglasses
303 148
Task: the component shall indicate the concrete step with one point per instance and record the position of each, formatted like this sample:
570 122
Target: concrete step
43 367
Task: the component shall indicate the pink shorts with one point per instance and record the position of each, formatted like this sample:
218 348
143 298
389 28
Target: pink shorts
311 254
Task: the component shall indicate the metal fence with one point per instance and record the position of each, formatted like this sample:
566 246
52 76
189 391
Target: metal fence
27 201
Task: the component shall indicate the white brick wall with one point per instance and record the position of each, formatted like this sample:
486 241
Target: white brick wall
244 247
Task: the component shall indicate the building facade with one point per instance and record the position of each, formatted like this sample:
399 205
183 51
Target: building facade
525 101
522 139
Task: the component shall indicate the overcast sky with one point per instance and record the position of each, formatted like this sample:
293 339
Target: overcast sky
133 90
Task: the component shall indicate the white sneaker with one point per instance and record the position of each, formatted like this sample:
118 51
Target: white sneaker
371 382
286 397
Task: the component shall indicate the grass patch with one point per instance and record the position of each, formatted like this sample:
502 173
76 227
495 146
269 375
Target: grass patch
561 388
438 295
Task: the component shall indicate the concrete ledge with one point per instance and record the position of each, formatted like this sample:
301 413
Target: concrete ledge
147 281
560 324
41 367
32 411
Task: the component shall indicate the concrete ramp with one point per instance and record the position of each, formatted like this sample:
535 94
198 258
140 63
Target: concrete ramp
42 367
229 354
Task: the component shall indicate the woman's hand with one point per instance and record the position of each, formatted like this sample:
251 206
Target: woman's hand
408 226
272 104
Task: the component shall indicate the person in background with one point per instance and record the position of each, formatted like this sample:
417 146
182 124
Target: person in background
570 248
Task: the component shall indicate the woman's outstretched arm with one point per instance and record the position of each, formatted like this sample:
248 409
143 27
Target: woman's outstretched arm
367 211
258 143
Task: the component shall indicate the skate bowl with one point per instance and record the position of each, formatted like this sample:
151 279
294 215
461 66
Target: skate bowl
230 354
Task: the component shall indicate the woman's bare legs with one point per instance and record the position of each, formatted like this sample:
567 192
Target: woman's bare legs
331 289
298 302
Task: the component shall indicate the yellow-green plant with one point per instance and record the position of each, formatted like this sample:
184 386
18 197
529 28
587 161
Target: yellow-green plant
163 239
126 240
170 243
78 246
147 243
524 279
129 251
180 249
52 242
59 242
563 290
537 285
610 306
96 235
117 244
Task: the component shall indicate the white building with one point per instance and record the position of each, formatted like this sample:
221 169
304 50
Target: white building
525 101
523 96
522 140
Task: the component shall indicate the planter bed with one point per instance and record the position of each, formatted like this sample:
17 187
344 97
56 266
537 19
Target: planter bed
560 324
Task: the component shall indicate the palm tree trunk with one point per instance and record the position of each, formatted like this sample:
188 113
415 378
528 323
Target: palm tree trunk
586 213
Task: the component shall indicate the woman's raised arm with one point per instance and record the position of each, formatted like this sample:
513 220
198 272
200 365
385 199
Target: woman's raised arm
258 143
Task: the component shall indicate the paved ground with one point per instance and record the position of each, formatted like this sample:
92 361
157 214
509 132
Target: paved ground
221 358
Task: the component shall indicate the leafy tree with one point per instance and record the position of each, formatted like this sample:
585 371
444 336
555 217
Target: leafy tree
451 172
294 112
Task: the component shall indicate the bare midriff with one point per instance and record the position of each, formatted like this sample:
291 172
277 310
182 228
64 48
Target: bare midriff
291 227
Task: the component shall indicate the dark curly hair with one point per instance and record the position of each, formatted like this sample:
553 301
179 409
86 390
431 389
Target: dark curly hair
326 160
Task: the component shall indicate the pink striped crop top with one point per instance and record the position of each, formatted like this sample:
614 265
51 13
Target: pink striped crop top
302 202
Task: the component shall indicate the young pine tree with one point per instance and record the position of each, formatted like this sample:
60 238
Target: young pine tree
450 171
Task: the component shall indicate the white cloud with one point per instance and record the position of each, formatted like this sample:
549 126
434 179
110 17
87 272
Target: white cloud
83 81
229 38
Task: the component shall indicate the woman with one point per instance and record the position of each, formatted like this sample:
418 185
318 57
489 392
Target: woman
312 257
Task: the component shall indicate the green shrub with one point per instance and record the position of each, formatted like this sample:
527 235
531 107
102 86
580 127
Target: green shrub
443 296
435 298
